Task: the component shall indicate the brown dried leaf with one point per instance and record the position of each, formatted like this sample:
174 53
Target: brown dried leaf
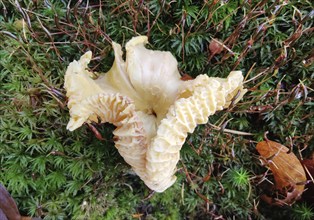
186 77
287 170
215 47
308 195
2 215
8 205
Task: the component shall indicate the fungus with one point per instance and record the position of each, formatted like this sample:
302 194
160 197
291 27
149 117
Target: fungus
152 108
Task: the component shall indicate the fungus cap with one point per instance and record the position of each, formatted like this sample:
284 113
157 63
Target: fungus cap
152 108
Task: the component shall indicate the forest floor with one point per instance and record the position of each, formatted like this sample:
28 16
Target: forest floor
53 173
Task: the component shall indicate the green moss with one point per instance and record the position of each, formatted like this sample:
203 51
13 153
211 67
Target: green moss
302 211
57 174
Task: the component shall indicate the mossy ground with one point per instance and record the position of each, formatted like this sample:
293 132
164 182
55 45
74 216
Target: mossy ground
57 174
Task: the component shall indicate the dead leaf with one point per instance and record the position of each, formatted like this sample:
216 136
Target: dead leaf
287 170
8 205
308 195
137 215
2 215
186 77
215 47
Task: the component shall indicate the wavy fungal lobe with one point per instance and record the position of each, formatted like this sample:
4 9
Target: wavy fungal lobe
152 108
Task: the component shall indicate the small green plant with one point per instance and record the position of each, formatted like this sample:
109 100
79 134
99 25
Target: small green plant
238 178
302 212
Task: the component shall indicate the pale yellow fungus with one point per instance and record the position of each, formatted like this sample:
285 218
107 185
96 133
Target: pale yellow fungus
152 108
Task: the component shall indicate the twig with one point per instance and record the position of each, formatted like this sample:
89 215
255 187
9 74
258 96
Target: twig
230 131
